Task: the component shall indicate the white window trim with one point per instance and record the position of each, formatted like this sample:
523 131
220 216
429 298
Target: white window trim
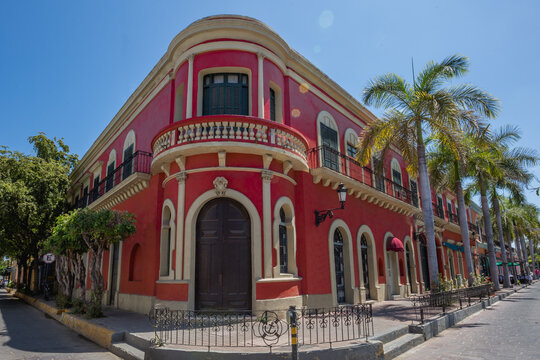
351 291
291 238
324 117
223 69
130 139
172 225
279 101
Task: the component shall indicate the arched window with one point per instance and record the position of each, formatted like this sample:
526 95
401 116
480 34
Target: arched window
284 238
413 184
365 264
339 266
328 140
111 164
225 93
397 180
129 151
283 243
167 239
377 168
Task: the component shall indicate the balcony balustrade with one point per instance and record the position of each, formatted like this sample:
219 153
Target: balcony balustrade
139 162
235 133
327 157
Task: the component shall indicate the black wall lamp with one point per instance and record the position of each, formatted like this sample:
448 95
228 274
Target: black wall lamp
321 215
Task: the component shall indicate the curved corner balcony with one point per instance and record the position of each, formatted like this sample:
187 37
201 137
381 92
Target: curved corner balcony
230 133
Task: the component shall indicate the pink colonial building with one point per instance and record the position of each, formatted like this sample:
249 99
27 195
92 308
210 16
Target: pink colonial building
224 153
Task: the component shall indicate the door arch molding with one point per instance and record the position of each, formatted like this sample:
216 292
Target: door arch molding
351 292
413 281
372 260
190 237
391 260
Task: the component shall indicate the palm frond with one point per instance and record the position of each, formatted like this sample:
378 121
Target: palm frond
471 97
389 91
434 74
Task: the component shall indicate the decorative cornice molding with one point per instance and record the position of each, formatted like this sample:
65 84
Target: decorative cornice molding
133 184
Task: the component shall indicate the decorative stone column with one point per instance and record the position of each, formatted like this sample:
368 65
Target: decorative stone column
267 221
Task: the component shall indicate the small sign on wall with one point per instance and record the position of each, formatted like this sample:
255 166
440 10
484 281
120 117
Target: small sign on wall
48 258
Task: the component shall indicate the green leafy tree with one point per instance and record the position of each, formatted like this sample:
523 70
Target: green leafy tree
99 230
426 108
32 194
69 247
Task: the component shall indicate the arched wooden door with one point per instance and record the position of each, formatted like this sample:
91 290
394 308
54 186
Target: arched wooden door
223 256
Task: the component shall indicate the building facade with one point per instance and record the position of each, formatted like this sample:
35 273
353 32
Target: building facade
223 153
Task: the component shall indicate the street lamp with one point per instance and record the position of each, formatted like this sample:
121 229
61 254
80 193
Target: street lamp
321 215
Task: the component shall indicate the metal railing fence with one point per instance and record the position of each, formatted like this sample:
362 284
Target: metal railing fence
268 329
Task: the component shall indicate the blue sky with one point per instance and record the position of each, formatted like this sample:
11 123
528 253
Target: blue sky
68 66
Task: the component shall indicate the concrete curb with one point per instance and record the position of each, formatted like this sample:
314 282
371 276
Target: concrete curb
434 327
358 351
96 333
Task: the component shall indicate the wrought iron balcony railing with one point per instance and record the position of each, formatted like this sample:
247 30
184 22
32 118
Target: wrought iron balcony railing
453 218
327 157
438 211
139 162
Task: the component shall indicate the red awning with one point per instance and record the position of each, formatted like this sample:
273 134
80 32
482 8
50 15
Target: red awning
395 245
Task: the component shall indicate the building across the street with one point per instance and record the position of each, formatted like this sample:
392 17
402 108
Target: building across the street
224 153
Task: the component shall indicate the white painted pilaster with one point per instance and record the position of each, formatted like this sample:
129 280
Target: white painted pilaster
181 178
189 99
267 222
260 58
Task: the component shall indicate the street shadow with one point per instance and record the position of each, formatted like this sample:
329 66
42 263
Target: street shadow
29 330
471 325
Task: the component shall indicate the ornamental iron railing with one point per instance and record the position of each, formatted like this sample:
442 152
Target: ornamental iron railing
438 210
327 157
453 218
267 329
139 162
433 304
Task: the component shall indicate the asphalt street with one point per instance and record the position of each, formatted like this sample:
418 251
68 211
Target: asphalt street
26 333
510 329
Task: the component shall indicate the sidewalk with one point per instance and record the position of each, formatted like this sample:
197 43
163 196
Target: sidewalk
128 334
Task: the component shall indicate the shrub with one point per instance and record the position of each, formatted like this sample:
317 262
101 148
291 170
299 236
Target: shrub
94 307
79 306
62 301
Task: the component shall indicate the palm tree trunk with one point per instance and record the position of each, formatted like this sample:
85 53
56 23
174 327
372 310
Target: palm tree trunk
427 211
531 251
519 253
489 234
464 226
508 238
525 256
497 209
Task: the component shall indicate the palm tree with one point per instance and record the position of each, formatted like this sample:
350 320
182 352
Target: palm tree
524 218
446 170
484 165
425 108
507 225
513 176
